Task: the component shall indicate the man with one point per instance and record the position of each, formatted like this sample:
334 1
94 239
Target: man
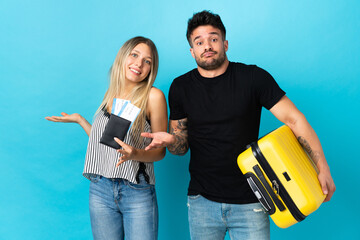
215 111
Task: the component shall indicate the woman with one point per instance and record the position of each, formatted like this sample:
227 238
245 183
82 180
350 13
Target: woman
122 193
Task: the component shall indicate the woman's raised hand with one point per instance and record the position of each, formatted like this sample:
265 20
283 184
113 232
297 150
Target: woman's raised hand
128 152
72 118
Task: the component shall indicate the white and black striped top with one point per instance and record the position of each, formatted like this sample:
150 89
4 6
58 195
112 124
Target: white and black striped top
101 159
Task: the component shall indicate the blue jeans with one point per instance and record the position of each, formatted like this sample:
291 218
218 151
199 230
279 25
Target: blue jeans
210 220
119 208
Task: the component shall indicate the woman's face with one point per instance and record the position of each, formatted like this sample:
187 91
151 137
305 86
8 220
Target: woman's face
138 63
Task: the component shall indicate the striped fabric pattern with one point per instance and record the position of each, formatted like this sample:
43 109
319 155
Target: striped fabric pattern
101 159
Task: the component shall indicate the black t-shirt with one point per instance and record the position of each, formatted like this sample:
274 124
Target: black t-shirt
223 115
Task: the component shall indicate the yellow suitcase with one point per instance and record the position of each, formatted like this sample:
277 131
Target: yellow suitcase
282 176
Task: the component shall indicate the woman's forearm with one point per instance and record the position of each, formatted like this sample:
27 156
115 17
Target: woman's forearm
85 125
150 155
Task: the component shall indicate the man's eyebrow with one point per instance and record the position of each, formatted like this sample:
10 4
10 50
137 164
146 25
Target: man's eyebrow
196 38
212 33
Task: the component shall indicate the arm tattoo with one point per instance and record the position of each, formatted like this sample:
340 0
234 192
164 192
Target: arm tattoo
313 154
181 145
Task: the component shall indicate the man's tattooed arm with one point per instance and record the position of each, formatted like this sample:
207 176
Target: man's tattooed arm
313 154
178 128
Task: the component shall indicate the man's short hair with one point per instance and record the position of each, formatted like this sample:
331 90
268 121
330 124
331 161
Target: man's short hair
204 18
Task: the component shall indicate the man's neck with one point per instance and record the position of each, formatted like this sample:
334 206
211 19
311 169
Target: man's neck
214 73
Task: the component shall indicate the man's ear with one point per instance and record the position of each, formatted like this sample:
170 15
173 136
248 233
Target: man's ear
192 52
226 45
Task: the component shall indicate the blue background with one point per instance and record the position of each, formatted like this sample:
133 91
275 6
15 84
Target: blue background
55 56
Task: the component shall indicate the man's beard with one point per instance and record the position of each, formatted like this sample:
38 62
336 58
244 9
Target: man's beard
213 64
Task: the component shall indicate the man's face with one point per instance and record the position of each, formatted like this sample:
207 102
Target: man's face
208 47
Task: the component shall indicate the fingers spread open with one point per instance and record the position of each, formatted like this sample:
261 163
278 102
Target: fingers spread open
151 146
121 143
147 135
120 162
53 118
123 152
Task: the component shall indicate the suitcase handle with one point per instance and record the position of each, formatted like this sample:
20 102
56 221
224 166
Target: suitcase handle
262 179
291 206
260 193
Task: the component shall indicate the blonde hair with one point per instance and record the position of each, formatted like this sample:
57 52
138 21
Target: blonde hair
140 93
